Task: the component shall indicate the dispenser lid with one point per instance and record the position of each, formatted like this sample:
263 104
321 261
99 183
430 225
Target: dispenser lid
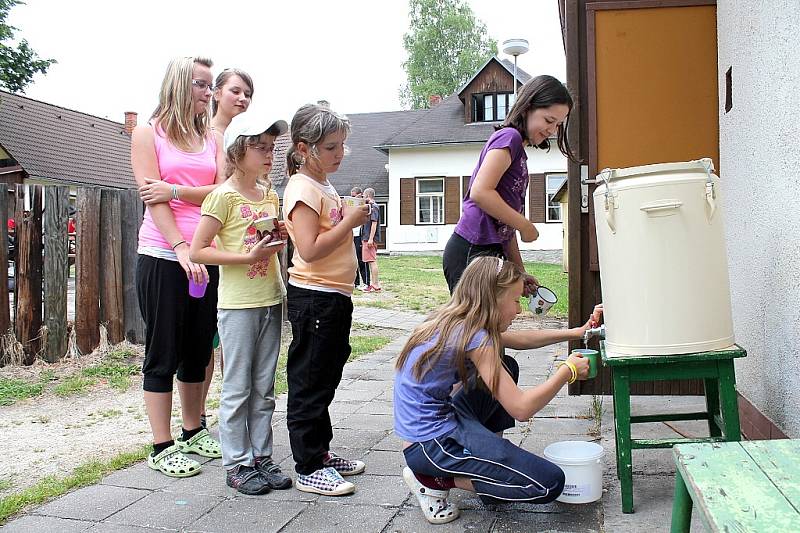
704 165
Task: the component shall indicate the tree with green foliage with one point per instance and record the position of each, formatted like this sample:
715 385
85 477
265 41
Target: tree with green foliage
445 45
19 63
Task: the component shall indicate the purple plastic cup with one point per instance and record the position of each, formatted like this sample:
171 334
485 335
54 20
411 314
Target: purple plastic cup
197 290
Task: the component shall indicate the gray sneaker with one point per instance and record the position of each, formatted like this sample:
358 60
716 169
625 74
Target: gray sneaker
272 473
247 480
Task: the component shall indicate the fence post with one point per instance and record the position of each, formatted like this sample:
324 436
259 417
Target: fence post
132 209
5 313
87 277
111 264
28 272
56 270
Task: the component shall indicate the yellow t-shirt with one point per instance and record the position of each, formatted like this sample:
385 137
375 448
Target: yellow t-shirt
244 286
335 272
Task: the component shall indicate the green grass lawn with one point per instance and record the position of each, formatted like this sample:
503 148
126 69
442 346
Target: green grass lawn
12 390
416 283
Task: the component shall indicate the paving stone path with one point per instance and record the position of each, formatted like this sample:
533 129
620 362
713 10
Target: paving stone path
139 500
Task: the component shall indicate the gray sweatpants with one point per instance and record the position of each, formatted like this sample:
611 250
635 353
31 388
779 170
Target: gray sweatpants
251 339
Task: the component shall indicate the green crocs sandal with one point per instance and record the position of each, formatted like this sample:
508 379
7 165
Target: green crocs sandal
201 444
173 463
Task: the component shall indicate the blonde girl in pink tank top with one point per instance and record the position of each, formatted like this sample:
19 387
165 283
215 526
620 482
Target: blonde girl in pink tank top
179 149
233 92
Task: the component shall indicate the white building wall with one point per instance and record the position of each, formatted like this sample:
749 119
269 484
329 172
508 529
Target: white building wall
455 160
760 172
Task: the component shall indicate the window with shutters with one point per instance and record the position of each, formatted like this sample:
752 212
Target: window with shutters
553 184
430 201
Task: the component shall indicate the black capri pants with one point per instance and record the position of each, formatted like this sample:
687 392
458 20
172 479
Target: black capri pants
179 329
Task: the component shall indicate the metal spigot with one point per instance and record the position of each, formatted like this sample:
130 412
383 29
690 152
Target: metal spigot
594 332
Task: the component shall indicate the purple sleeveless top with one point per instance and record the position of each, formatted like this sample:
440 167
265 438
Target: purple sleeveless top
477 226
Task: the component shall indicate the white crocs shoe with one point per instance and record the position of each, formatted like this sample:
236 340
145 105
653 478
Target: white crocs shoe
433 502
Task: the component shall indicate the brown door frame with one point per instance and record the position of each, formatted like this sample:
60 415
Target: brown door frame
579 43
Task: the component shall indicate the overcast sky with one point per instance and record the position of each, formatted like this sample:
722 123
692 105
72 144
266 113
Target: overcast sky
112 55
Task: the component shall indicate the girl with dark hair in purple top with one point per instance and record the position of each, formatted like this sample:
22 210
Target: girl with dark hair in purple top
494 206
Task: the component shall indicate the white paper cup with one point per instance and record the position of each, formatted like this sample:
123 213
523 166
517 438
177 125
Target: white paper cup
266 224
352 201
541 302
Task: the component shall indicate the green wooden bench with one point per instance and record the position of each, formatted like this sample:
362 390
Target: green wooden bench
738 487
722 409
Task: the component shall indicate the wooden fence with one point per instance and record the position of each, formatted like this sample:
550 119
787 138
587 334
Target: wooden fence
107 224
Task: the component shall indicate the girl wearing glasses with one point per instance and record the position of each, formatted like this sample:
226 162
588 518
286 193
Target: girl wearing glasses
177 147
233 92
250 303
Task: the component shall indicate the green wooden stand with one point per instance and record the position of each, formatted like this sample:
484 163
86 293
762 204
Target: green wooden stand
722 410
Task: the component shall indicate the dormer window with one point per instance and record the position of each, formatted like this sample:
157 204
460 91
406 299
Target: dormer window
491 107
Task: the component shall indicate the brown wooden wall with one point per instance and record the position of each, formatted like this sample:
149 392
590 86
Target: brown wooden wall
105 268
493 79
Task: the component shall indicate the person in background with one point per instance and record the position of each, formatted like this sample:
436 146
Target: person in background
233 93
362 272
370 233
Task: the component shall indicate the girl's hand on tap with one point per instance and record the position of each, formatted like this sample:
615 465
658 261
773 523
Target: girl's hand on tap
597 316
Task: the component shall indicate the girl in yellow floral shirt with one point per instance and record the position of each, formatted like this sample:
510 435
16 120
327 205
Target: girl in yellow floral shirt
250 300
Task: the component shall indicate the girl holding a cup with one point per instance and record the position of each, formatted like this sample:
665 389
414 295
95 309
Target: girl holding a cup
493 209
451 426
232 95
320 307
251 293
178 148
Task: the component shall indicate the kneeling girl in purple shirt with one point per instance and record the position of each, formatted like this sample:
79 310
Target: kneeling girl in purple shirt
450 426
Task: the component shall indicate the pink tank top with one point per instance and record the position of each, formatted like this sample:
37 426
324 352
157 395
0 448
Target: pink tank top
180 168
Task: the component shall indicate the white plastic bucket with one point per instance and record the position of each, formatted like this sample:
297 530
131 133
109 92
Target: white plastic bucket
582 463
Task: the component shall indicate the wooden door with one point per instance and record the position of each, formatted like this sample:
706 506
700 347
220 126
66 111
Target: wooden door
652 97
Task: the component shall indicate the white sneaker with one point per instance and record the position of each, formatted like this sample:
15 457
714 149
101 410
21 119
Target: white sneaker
325 481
